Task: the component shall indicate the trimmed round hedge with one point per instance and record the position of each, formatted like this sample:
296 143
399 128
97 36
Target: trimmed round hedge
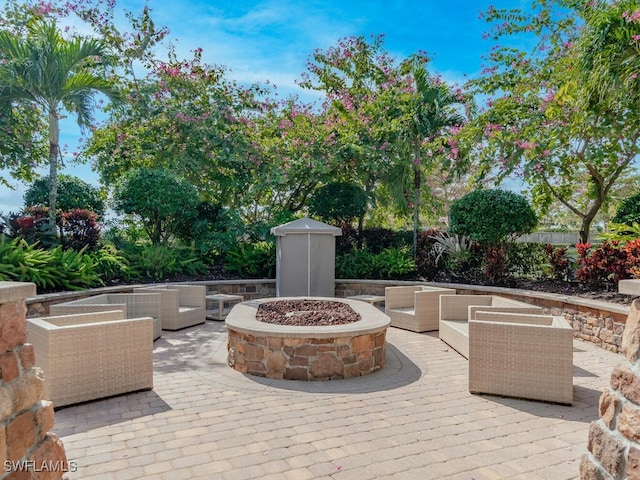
491 216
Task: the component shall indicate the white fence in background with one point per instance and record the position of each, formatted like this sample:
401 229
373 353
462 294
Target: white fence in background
557 238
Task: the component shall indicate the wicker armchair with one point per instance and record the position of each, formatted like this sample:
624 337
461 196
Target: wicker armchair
455 312
521 355
414 307
92 355
133 305
182 305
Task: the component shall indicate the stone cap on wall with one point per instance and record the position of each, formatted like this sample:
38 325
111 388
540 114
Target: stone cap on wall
13 291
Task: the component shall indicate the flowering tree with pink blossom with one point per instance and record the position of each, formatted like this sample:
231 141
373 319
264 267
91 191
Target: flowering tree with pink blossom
292 154
543 120
393 120
184 116
357 77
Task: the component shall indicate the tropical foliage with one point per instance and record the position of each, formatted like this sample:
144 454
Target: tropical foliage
202 167
157 198
41 69
73 193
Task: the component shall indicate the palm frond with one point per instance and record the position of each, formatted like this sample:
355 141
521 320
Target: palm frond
48 69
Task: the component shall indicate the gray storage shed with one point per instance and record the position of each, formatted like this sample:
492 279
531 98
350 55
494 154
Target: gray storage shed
305 258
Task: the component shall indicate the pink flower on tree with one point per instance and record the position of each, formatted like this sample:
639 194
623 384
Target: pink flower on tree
632 17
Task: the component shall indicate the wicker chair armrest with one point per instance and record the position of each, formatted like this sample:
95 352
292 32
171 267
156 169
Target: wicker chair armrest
192 295
140 304
400 297
429 298
522 309
80 318
71 308
456 307
514 317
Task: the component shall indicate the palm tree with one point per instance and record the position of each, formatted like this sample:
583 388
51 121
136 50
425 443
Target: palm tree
53 74
608 50
430 111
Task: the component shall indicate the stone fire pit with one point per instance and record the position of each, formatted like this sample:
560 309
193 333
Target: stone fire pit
307 352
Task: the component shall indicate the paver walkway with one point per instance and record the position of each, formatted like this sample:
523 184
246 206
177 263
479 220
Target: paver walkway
413 420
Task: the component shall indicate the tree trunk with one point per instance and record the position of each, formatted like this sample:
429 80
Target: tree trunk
417 181
585 226
54 152
156 236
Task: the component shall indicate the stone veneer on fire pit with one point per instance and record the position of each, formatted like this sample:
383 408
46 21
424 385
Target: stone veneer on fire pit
307 352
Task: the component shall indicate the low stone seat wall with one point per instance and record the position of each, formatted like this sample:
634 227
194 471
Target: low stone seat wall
597 322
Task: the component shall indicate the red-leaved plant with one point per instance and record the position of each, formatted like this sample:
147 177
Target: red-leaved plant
602 266
559 261
81 229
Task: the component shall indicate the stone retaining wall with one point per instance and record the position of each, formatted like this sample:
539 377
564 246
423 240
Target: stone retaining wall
28 450
614 440
598 322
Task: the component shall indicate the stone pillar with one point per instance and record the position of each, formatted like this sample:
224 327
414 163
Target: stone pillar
28 450
614 440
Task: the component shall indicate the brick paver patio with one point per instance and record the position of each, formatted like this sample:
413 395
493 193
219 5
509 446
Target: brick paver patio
413 420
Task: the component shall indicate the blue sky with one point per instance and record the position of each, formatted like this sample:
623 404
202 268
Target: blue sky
273 39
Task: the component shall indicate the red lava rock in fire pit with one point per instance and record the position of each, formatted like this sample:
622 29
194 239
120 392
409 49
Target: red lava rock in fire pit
306 313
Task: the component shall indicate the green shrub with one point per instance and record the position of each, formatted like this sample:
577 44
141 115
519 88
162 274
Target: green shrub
629 211
491 216
372 239
378 239
340 202
73 193
213 231
355 264
55 269
254 260
158 198
394 263
163 261
527 260
389 263
111 264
